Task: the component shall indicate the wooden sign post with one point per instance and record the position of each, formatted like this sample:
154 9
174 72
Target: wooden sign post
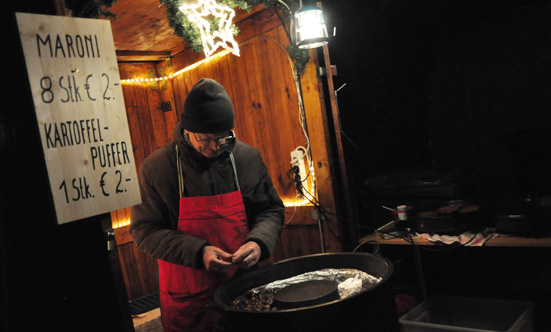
75 83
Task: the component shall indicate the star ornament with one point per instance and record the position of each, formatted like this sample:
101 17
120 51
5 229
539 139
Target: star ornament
223 37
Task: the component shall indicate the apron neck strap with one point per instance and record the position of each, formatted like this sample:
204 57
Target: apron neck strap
181 173
234 171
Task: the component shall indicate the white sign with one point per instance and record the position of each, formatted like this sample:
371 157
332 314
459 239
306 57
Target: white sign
79 106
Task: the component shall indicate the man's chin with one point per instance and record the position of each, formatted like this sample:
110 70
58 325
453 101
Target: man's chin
209 154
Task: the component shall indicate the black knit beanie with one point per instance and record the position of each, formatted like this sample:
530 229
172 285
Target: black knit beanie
208 108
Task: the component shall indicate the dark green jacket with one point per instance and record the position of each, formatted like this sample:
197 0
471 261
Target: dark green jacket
155 220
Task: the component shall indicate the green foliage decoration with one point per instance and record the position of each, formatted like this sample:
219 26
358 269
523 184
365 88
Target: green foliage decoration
186 29
90 8
190 33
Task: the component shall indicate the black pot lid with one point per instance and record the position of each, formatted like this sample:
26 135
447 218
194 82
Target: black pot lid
306 293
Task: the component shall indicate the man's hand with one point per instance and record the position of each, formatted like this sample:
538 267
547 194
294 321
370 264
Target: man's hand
247 255
216 259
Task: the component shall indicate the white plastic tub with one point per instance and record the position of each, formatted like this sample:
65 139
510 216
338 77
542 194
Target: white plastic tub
447 313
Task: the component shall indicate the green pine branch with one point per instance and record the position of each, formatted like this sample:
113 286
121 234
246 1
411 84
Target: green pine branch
183 27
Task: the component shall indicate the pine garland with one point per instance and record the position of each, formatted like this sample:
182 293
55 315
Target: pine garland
90 9
184 28
190 33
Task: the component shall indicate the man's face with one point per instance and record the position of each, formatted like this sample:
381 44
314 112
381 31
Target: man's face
208 144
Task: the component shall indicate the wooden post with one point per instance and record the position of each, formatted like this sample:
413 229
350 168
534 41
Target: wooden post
347 201
60 8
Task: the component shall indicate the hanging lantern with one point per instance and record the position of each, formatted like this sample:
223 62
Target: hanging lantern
311 31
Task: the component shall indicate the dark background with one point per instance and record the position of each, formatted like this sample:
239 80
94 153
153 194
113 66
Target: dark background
450 86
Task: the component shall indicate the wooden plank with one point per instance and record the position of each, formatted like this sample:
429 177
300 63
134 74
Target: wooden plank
297 241
186 58
122 215
285 244
299 215
258 125
223 77
208 70
129 213
215 69
314 109
131 279
167 95
286 111
142 27
142 270
199 72
122 236
277 253
270 82
134 124
133 70
314 239
346 201
153 273
242 100
179 94
118 217
302 242
257 24
158 123
293 109
114 218
144 119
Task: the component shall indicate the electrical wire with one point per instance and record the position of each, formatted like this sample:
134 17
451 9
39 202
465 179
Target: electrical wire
377 248
298 87
286 223
406 236
322 213
308 153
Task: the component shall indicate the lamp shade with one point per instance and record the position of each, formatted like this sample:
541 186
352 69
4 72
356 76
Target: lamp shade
310 27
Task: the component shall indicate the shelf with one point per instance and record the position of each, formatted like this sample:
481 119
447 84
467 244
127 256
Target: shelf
501 241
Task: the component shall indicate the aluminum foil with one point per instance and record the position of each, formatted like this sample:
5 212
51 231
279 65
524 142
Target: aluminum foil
351 281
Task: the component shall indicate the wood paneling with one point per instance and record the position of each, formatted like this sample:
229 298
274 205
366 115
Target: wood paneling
261 85
142 33
148 129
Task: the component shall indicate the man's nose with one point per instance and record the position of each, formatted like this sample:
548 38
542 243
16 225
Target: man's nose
215 145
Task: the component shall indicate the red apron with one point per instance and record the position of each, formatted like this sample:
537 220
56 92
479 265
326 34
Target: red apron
185 292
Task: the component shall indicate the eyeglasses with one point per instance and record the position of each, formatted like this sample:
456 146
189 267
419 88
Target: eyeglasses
218 141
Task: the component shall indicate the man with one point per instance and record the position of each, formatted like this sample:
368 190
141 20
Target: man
208 209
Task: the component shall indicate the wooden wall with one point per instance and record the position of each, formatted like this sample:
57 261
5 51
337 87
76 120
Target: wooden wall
261 84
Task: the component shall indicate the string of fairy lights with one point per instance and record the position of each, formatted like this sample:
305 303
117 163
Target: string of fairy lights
178 73
299 200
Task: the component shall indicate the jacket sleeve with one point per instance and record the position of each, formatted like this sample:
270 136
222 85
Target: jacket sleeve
154 221
265 210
